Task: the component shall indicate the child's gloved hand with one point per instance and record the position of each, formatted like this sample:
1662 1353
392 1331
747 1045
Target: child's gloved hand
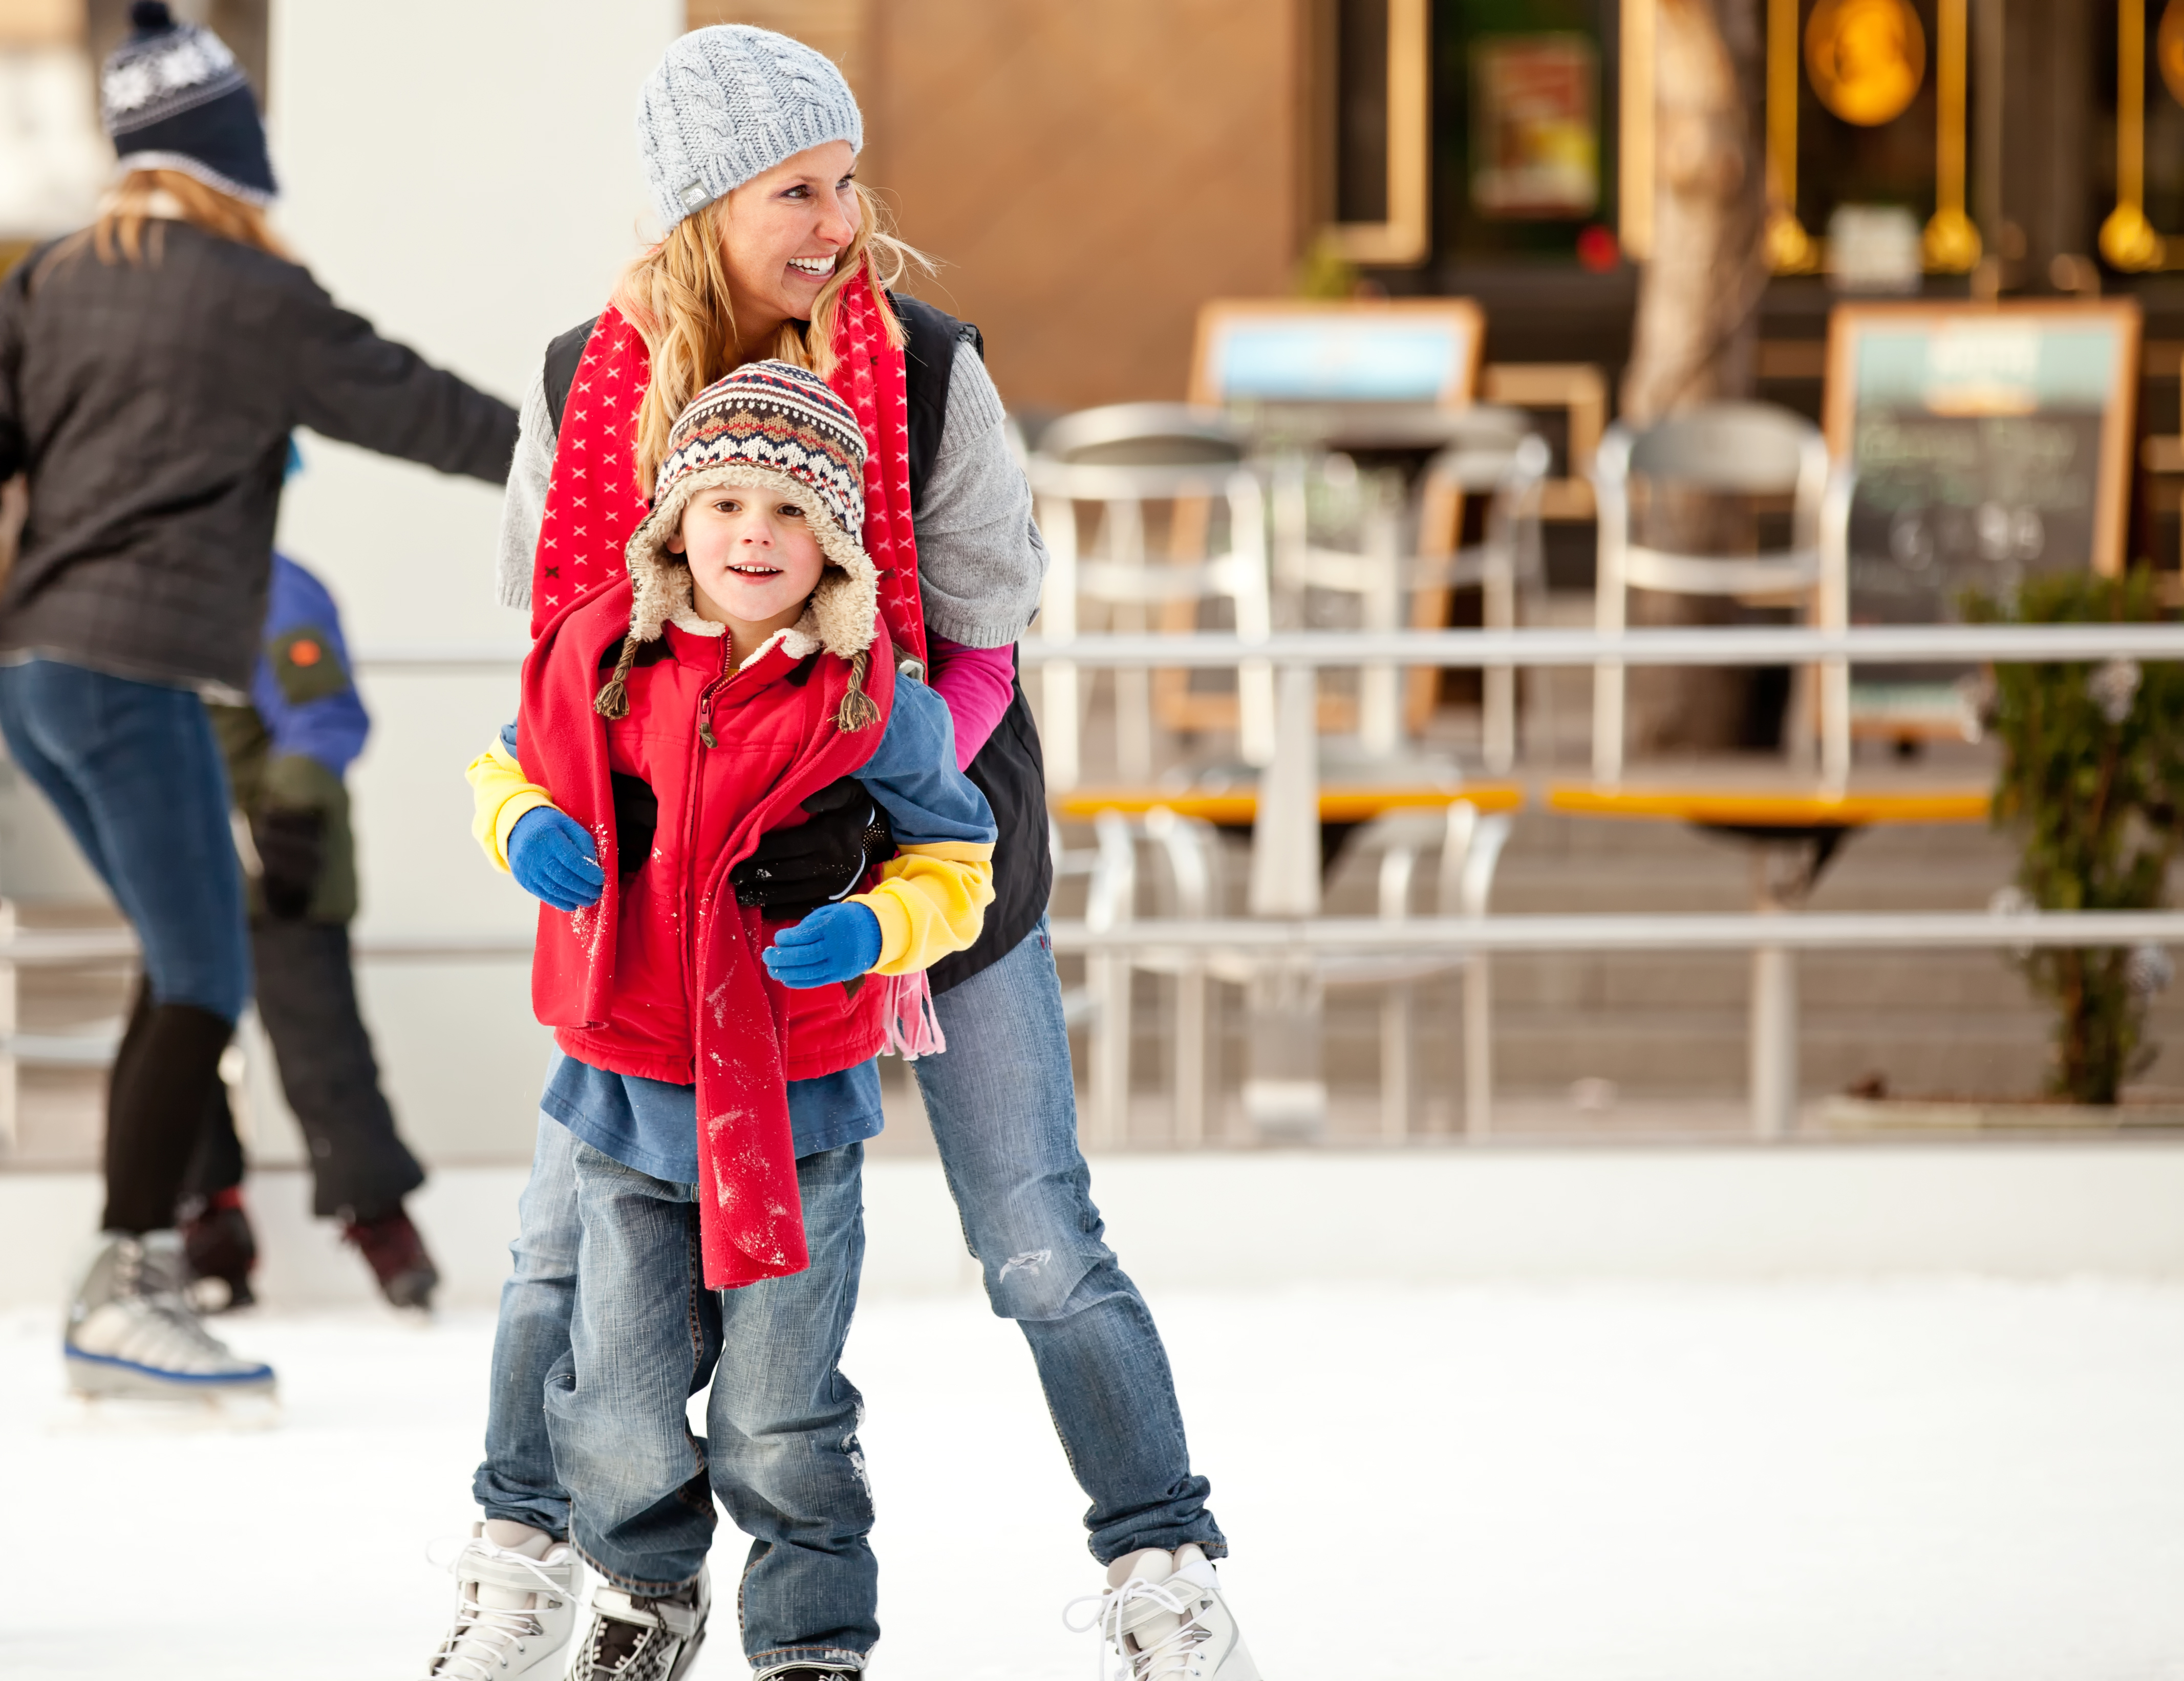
834 942
553 859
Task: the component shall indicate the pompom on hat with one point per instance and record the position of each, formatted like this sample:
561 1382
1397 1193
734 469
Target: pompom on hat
172 97
768 426
729 103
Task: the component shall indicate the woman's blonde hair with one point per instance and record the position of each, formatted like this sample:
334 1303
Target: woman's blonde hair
153 197
676 295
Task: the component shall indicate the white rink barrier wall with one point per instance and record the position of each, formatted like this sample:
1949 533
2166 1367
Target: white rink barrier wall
1225 1221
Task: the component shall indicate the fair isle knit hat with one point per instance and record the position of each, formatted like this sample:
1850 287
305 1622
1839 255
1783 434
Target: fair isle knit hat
729 103
776 427
172 97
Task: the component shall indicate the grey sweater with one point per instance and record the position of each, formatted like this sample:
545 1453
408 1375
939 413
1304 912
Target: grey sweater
150 404
980 562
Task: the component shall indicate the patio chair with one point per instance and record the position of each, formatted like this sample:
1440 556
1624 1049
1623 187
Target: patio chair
1189 886
1483 450
1726 449
1119 459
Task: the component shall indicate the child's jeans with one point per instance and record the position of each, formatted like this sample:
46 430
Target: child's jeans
780 1444
1004 1114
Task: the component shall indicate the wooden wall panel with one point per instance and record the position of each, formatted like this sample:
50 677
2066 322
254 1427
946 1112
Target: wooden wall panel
1088 173
41 23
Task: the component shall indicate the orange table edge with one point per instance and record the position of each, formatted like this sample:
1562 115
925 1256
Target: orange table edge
1336 804
1771 810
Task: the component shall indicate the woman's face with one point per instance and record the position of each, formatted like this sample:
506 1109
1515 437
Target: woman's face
781 233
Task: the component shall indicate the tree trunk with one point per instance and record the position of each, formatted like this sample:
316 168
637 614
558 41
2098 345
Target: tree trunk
1698 299
1696 333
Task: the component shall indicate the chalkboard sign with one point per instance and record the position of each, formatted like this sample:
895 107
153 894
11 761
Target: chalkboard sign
1990 442
1295 351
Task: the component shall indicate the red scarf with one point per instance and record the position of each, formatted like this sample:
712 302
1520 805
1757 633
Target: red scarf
592 503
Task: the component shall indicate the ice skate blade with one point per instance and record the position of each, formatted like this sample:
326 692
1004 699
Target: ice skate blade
114 1415
99 1378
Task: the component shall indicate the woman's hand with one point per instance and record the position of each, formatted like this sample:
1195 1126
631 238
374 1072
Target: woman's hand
795 870
553 859
834 942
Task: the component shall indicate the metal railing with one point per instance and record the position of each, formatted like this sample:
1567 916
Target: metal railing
1291 803
1857 931
1285 889
1727 645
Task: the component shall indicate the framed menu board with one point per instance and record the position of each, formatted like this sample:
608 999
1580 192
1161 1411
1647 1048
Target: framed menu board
1423 350
1990 442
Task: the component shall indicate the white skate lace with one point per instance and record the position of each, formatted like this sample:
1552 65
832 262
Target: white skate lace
479 1644
1165 1660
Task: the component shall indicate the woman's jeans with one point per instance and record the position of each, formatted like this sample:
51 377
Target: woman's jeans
1004 1114
136 774
640 1334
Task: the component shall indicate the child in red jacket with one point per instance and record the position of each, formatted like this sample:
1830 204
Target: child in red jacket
717 1064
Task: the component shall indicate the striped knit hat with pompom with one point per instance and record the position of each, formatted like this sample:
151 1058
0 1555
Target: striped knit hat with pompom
776 427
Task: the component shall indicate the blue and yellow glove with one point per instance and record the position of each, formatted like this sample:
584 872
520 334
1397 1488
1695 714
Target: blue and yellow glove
553 859
834 942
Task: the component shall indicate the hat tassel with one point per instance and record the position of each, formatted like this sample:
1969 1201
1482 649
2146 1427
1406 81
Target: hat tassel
858 708
613 701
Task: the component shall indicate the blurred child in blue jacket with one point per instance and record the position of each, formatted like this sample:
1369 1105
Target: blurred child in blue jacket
287 753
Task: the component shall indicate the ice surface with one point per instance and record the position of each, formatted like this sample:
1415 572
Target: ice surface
1795 1483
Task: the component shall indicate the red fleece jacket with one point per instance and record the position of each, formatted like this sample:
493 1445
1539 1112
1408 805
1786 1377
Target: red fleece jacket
665 981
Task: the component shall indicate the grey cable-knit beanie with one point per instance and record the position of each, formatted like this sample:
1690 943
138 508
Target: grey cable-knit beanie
731 102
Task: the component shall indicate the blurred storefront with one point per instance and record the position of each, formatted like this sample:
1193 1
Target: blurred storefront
1091 174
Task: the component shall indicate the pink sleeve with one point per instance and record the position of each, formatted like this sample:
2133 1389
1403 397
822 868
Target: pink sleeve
978 684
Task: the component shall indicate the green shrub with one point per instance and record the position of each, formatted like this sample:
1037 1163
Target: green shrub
2091 782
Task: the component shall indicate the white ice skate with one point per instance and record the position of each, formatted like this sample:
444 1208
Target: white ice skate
634 1638
1163 1616
516 1610
132 1333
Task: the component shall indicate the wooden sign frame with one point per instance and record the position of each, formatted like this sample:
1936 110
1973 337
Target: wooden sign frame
1848 322
1219 313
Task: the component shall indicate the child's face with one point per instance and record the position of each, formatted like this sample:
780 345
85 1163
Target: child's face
753 556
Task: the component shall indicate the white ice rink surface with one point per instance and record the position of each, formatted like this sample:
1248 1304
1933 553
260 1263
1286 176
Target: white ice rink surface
1792 1483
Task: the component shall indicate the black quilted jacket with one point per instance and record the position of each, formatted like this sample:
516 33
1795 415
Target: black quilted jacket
151 406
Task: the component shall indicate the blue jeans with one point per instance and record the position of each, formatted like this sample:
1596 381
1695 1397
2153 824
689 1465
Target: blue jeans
1003 1108
136 774
1004 1113
644 1334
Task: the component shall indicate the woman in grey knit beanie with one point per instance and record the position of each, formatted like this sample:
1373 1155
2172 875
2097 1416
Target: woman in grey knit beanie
749 140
